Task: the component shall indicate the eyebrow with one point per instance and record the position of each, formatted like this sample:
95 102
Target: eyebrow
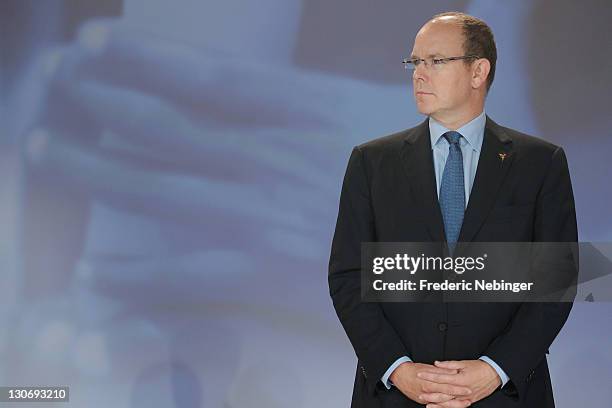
412 56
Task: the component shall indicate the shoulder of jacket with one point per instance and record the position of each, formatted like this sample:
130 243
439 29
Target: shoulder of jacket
388 142
528 142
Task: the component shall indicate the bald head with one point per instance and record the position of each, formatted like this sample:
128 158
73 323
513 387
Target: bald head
451 83
446 18
477 37
441 36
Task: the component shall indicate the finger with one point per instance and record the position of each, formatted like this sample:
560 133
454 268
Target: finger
441 378
456 404
450 364
451 404
149 127
431 387
440 370
157 193
205 81
435 397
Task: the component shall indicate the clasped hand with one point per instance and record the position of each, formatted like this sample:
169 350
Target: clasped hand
446 384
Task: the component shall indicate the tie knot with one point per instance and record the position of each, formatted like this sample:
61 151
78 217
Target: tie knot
452 137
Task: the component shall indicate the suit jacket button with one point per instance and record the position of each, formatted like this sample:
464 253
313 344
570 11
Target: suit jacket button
442 326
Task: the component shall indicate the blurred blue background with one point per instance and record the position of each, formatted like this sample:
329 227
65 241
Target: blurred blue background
169 178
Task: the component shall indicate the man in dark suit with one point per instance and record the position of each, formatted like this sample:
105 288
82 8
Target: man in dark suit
456 177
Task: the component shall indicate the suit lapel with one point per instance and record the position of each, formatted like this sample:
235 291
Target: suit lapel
491 171
417 160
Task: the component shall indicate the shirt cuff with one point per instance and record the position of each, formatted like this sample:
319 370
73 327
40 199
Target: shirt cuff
502 374
387 374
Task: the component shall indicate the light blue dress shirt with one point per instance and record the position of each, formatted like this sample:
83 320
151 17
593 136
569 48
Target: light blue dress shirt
470 143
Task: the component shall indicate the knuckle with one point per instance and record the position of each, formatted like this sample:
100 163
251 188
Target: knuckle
455 390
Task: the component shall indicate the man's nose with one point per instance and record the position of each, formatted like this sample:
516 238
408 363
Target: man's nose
420 72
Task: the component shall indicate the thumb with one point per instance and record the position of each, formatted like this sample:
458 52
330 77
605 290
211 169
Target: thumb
456 365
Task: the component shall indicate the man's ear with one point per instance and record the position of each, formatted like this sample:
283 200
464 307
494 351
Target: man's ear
480 72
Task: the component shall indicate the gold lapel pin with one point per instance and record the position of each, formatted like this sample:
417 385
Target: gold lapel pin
502 156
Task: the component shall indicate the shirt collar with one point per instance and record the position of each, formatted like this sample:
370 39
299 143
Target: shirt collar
473 131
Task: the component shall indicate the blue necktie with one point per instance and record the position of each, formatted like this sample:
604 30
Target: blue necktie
452 190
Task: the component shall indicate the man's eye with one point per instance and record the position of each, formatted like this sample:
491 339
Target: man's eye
438 61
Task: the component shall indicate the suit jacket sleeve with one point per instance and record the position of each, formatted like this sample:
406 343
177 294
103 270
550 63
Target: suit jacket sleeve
375 341
526 339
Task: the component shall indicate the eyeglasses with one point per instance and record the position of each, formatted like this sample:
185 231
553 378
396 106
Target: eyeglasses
436 63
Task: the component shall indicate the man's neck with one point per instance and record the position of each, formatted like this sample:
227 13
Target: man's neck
455 121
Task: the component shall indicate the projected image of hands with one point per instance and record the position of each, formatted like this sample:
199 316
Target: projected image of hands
192 196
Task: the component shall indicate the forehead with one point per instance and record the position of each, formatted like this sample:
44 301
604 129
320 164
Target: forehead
438 37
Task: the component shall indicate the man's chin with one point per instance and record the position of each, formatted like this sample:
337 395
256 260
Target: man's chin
425 110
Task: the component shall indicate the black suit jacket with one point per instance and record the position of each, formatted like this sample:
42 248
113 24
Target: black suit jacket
389 195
